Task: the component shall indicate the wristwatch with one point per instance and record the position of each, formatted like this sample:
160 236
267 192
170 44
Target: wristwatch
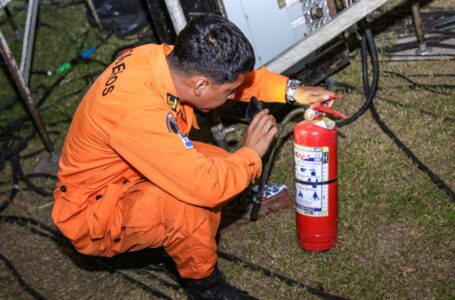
291 86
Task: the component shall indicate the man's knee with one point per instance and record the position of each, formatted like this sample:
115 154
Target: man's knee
191 240
201 223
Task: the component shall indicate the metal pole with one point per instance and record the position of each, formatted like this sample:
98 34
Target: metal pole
95 14
25 93
29 37
418 26
176 13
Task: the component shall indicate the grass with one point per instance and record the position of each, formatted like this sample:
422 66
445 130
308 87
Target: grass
396 227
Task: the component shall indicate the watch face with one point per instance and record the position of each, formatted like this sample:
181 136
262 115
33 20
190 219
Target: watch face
294 83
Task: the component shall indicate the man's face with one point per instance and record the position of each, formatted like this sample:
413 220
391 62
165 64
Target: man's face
214 95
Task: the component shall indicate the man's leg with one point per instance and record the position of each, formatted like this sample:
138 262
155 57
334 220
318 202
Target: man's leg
153 218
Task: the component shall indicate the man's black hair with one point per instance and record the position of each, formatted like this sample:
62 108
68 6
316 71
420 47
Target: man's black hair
212 46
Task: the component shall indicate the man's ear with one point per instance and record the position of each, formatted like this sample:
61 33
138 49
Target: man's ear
200 84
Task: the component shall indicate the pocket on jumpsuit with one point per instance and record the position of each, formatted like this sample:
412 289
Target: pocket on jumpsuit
101 214
69 210
141 208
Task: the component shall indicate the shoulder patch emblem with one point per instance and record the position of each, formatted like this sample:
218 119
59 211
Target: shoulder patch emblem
171 125
172 101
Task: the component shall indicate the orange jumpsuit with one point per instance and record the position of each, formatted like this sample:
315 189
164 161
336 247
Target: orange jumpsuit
129 177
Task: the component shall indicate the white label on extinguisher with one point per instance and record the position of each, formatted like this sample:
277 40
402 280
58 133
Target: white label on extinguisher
311 165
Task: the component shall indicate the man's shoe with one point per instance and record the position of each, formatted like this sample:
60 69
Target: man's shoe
214 287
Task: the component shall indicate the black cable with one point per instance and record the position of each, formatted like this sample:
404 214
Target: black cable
24 285
423 112
58 29
152 276
52 234
27 222
367 45
133 281
272 274
42 149
421 59
11 146
427 87
368 89
13 192
420 165
432 75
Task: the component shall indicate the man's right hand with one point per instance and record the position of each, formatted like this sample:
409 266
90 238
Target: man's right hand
261 132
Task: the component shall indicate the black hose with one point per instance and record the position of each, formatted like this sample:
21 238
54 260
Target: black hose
420 165
285 279
43 230
11 145
257 198
46 231
445 119
367 46
24 285
427 87
369 89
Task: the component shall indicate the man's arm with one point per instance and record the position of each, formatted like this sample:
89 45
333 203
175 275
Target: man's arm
273 87
177 167
265 85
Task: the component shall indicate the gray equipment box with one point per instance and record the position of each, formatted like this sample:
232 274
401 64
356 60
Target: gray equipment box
273 26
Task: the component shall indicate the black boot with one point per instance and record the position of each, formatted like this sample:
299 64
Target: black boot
214 287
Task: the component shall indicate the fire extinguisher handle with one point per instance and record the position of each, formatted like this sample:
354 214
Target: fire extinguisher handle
318 106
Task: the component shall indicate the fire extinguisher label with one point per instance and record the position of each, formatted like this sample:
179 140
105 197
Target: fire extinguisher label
311 165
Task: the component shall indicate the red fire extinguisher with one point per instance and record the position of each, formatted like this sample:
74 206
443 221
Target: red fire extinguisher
315 156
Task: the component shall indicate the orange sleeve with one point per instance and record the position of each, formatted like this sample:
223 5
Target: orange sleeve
266 85
176 166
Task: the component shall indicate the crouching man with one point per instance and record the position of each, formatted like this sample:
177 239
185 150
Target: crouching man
129 176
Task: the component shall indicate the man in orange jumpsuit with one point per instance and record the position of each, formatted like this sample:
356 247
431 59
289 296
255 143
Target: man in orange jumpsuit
129 176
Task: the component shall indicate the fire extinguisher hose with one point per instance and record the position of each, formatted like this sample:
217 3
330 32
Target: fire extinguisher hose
367 35
265 172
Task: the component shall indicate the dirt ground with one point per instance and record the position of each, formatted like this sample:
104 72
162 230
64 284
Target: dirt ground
396 223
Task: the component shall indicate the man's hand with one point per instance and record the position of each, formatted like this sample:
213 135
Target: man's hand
306 95
261 132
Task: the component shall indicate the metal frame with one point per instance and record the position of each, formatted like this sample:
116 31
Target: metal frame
301 50
28 40
24 92
92 8
21 75
176 13
336 26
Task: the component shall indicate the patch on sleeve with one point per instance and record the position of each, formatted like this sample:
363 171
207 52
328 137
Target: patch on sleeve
171 125
172 101
186 141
